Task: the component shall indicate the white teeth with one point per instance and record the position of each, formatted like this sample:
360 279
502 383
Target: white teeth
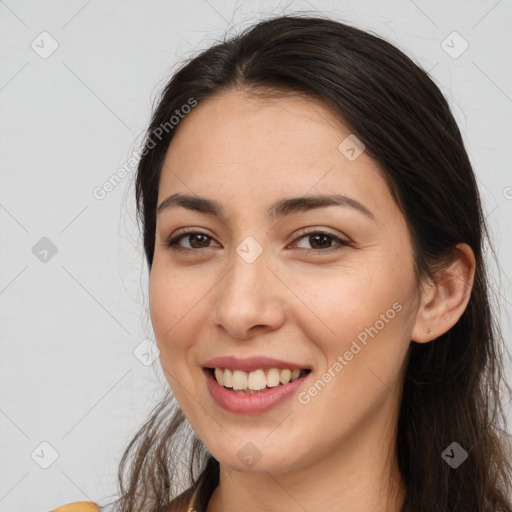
273 377
257 379
285 376
227 378
219 376
239 379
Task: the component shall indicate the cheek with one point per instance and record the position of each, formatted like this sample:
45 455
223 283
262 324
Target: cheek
343 303
363 346
173 296
171 305
172 311
361 311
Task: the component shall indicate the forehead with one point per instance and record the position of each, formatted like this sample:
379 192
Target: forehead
244 128
249 148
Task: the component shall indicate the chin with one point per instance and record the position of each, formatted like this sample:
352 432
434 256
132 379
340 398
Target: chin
247 455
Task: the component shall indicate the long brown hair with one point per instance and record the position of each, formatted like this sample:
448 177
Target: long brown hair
452 386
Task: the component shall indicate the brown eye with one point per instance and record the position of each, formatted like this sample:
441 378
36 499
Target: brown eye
200 239
321 242
196 240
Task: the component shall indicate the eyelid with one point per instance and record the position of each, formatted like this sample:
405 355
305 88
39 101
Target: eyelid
188 231
319 230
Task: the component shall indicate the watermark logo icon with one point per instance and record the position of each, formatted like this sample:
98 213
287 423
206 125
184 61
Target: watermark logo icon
454 455
44 455
249 454
44 250
249 249
454 45
44 45
351 147
146 352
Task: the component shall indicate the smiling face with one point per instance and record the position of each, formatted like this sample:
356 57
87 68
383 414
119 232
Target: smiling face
329 288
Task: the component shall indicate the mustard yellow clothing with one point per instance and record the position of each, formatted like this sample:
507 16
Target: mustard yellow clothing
78 506
90 506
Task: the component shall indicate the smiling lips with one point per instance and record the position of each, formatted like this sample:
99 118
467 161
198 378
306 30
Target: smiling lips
254 373
252 385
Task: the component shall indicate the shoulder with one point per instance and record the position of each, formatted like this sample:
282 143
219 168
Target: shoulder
78 506
183 502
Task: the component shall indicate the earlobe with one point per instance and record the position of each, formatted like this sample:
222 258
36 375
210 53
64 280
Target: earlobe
444 301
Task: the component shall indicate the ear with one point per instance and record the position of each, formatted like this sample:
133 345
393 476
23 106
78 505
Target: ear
443 302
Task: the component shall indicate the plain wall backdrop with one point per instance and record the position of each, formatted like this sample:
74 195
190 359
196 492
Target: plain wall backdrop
77 82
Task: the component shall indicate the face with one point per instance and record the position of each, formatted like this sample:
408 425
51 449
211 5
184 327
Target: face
325 289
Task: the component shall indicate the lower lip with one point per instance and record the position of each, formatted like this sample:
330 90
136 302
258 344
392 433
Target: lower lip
251 403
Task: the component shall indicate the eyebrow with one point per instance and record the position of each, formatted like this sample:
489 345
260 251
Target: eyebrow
277 210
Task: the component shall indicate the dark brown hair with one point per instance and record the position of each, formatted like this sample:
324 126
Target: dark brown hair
452 385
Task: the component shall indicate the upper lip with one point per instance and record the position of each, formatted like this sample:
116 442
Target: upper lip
251 363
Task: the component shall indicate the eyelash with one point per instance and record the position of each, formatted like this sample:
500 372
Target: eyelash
172 243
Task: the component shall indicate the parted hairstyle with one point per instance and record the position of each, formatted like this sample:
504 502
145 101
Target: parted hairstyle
454 386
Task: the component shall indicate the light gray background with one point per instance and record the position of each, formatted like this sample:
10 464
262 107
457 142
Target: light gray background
70 325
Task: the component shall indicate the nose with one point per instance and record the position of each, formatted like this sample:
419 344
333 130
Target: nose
249 299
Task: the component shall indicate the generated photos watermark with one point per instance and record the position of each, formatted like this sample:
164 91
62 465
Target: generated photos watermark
304 397
100 192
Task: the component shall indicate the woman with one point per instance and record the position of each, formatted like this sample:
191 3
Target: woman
313 232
